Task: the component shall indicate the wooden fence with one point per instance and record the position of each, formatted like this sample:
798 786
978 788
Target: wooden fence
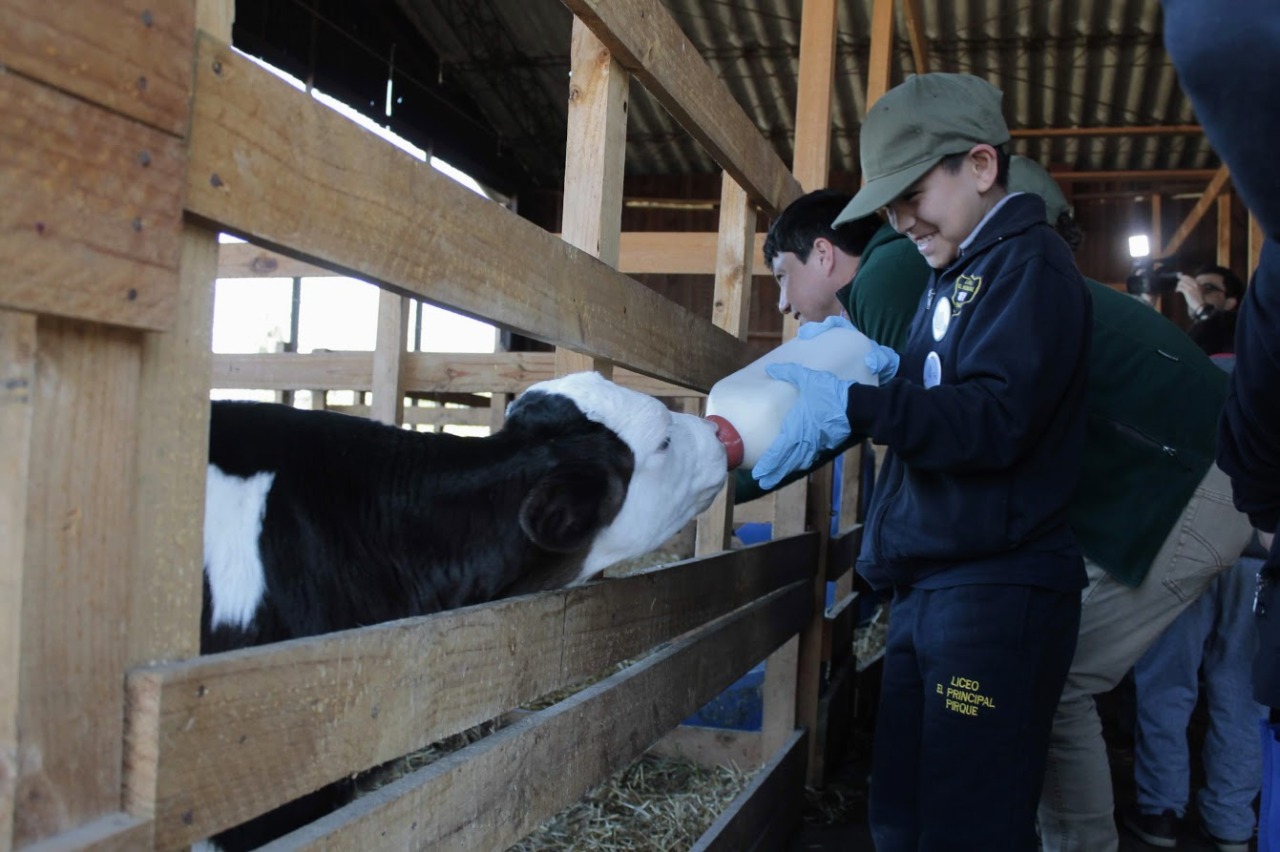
132 134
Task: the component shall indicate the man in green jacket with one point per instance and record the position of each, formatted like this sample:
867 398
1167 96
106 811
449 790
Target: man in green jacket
1152 513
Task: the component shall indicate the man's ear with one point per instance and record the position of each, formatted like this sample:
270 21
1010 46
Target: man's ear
825 252
1230 303
985 164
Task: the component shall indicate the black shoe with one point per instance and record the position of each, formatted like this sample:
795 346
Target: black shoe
1154 829
1226 845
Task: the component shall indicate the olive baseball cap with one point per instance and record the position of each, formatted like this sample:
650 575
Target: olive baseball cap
1029 176
916 124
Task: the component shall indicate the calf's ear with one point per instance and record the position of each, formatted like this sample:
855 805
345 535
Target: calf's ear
566 508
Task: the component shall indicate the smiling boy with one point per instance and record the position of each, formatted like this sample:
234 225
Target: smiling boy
984 423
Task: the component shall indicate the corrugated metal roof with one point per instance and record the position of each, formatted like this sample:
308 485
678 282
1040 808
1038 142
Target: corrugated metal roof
1061 64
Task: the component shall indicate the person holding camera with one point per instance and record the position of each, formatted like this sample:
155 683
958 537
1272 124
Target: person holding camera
1213 295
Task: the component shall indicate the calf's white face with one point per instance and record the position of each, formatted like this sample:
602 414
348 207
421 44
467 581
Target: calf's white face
679 466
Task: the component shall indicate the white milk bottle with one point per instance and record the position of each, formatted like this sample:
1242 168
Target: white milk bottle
748 406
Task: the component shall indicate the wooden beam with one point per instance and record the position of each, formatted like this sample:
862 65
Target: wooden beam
812 161
336 194
468 800
132 59
1135 175
388 359
424 372
1255 242
643 36
880 62
17 407
92 210
1201 207
640 252
915 34
218 739
1134 130
1224 230
595 161
75 598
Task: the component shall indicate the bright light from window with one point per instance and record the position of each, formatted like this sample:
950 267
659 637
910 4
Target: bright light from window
1139 246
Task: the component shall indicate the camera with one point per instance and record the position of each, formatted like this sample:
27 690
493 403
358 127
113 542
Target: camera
1151 277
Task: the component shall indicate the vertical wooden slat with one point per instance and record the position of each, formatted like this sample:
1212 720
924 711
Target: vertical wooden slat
1224 230
595 158
388 359
173 438
813 93
731 307
1157 224
17 383
880 62
915 34
75 598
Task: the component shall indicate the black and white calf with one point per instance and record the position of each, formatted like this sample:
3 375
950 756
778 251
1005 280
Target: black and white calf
317 521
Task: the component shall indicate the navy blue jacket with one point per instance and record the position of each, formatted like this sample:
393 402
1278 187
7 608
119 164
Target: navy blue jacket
981 468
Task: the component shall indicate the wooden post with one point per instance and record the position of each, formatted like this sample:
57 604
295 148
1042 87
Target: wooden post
813 96
880 62
595 158
17 384
915 34
1224 230
1255 244
387 405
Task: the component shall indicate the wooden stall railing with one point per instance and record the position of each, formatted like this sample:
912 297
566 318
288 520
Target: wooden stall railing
131 136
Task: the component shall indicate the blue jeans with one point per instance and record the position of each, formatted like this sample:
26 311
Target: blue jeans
971 678
1217 632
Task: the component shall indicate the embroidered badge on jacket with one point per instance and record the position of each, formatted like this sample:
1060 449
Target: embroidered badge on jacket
967 287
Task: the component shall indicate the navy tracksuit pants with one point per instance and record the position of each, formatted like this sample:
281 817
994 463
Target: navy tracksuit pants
972 675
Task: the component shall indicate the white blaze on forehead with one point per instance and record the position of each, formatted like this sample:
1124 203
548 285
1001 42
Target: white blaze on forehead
638 419
233 512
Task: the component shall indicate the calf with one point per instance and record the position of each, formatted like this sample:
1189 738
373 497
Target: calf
317 521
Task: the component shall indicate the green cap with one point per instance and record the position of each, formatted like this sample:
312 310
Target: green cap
916 124
1029 176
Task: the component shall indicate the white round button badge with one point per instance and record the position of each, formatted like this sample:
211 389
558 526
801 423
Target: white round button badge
932 370
941 318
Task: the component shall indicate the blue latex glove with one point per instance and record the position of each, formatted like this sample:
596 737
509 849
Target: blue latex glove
816 422
882 361
813 329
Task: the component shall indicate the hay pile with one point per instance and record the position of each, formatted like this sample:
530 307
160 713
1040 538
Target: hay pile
655 803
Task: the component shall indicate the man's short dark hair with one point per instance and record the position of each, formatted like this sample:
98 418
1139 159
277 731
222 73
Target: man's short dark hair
1230 281
951 164
809 217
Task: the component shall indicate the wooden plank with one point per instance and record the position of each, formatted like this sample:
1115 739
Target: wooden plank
1202 205
130 57
842 552
332 192
117 832
424 372
216 740
468 794
166 585
730 310
777 790
1128 130
880 62
17 407
644 37
812 159
75 598
388 359
414 415
92 210
915 34
1224 230
640 252
710 746
1133 175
